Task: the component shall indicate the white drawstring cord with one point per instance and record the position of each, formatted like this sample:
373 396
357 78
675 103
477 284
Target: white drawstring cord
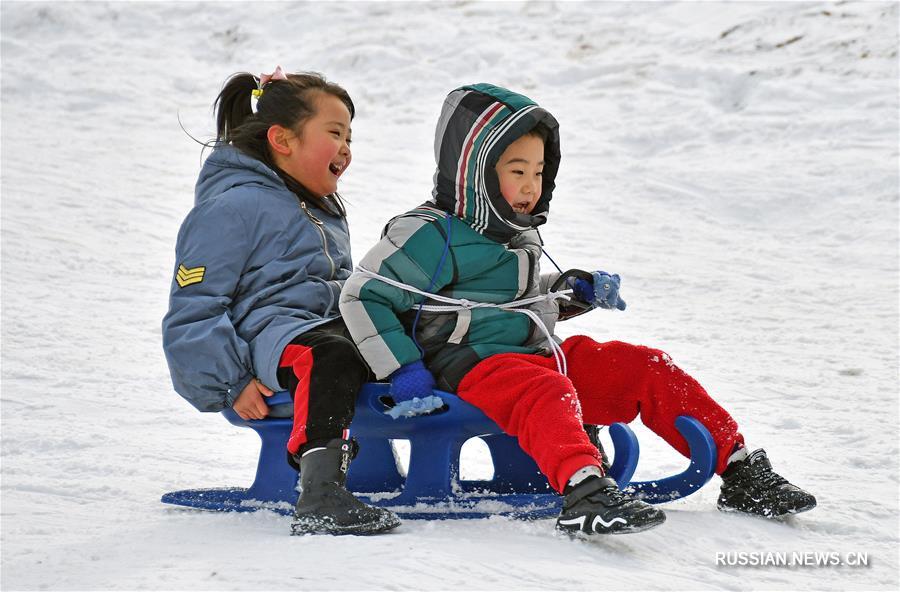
455 304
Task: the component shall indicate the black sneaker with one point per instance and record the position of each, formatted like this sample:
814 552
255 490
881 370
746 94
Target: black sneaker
752 487
598 506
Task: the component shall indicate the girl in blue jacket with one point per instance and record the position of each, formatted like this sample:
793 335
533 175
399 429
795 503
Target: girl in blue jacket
260 263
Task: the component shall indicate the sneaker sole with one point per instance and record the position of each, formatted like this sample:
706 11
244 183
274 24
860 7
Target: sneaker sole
633 530
300 528
625 530
580 534
799 510
788 512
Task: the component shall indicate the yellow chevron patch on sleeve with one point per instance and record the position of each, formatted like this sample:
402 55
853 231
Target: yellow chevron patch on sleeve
187 276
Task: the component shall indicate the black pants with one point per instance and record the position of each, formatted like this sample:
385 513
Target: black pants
323 371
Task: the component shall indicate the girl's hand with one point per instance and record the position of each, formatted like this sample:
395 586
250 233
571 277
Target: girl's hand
250 403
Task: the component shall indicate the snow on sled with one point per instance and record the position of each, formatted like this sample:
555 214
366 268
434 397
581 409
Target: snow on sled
431 487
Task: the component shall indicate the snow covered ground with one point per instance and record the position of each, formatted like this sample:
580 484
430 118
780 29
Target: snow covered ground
736 163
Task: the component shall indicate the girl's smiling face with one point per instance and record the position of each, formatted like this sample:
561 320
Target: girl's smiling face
520 170
320 153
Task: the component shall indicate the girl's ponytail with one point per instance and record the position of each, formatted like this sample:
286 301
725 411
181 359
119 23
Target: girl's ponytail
232 106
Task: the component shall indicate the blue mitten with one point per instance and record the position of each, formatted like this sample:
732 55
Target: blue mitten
412 388
602 291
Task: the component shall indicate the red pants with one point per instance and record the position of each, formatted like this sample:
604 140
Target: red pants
607 382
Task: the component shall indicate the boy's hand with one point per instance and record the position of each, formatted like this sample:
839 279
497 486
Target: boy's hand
412 388
602 291
250 403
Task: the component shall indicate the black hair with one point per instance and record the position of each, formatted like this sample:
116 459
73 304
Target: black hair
288 103
539 131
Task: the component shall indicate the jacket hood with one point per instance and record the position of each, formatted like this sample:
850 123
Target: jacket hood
477 123
228 167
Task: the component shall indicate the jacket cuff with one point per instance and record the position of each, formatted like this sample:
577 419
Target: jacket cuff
383 373
238 387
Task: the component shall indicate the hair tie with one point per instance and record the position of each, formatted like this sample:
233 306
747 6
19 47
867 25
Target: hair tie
265 79
278 74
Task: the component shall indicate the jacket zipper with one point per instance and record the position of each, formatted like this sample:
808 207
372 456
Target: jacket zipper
318 224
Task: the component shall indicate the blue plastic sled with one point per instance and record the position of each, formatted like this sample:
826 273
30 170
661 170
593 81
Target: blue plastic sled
432 488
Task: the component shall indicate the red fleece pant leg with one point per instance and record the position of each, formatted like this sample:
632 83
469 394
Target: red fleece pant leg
616 381
527 398
300 359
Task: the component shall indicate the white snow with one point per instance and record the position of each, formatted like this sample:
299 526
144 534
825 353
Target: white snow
736 163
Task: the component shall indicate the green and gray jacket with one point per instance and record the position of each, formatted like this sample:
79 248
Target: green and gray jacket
466 243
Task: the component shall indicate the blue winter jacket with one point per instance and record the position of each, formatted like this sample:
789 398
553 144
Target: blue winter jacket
255 267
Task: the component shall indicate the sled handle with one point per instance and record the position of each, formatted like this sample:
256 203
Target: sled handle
700 470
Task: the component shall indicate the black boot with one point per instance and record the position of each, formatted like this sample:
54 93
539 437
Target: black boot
593 432
325 506
598 506
752 487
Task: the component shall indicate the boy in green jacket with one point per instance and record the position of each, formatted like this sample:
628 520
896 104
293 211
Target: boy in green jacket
475 247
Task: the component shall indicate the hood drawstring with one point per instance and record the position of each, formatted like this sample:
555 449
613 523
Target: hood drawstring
431 284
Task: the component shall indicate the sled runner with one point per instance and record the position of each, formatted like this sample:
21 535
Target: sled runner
431 487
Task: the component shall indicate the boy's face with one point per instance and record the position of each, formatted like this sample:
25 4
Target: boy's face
520 169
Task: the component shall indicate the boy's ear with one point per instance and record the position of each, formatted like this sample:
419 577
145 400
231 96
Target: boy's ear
278 137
